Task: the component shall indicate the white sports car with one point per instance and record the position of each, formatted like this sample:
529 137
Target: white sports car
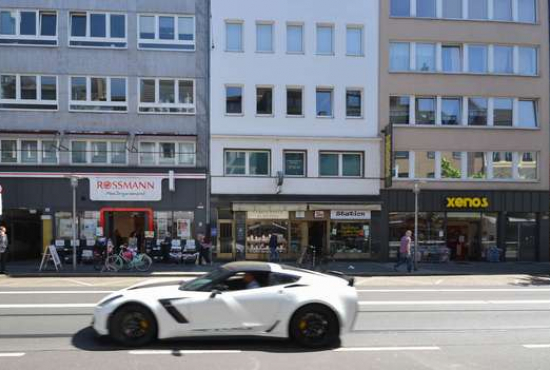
239 298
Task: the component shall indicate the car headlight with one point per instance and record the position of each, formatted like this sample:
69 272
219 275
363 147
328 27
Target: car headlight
105 302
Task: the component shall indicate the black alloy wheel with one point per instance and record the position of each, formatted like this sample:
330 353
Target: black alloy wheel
133 326
315 326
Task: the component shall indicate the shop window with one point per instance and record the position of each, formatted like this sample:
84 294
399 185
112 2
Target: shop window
424 165
503 112
477 165
527 166
477 111
28 27
264 101
489 230
503 165
90 29
295 163
354 100
166 32
451 111
167 96
350 237
399 110
402 165
425 57
294 102
521 236
400 56
451 165
425 111
233 100
431 233
258 234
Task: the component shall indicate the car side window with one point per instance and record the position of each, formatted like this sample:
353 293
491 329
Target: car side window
277 278
242 281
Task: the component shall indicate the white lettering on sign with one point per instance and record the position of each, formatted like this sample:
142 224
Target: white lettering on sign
126 188
267 215
350 215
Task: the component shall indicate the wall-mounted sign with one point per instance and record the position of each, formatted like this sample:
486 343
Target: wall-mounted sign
319 214
467 202
300 214
350 215
267 215
125 188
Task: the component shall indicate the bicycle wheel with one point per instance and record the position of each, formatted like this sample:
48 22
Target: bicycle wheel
99 262
144 263
113 263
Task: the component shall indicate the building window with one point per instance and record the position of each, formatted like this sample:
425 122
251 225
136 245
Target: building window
28 92
98 152
451 58
399 110
247 163
425 57
451 165
295 38
90 29
503 59
503 112
98 94
295 163
234 36
425 8
452 9
425 111
294 101
340 164
424 167
503 164
170 96
400 56
9 151
49 151
402 165
233 100
324 102
477 111
527 166
478 9
502 10
28 151
264 101
325 39
28 27
451 109
167 153
400 8
166 32
476 165
528 61
527 11
354 100
79 152
264 37
527 116
477 58
354 40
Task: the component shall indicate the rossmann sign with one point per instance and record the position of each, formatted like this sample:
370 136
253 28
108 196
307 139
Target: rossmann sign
125 189
467 202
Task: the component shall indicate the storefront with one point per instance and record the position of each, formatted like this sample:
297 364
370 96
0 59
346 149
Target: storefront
124 207
471 225
344 231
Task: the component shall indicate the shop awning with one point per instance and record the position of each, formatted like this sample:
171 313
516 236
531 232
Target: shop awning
263 207
344 207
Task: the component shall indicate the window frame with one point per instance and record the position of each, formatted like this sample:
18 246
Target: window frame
340 155
26 40
324 89
157 153
333 41
302 92
361 101
21 103
271 24
272 89
361 30
89 152
295 151
242 35
39 151
91 103
108 41
242 100
162 44
192 108
247 162
302 39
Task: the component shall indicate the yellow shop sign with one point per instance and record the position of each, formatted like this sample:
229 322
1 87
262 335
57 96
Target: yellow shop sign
467 202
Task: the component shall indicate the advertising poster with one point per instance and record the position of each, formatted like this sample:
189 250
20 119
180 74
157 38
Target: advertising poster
184 228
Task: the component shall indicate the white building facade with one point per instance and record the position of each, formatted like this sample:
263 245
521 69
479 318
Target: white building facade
295 149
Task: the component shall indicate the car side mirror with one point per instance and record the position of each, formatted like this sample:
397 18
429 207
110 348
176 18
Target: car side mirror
214 293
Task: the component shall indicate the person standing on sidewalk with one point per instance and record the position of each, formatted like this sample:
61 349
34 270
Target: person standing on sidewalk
3 249
405 252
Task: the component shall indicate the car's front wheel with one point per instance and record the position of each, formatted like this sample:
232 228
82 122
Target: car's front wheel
315 326
133 326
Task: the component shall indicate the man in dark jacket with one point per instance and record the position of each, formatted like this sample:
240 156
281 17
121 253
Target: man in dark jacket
273 252
3 249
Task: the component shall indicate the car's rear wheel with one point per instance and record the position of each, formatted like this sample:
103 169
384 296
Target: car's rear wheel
133 326
315 326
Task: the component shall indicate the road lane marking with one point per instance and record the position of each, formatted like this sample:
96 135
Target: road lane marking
50 305
454 302
12 354
181 352
490 290
536 346
58 292
79 282
386 349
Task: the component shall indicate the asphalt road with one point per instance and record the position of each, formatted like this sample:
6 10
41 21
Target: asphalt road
405 323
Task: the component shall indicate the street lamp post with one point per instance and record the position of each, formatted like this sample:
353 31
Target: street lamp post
74 185
416 191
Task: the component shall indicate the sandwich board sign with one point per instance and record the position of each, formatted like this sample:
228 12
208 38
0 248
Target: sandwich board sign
51 254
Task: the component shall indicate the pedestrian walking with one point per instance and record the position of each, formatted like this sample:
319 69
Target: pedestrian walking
405 252
202 249
273 252
3 249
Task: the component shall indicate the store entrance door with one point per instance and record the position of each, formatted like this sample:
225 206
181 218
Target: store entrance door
317 235
24 234
126 225
463 237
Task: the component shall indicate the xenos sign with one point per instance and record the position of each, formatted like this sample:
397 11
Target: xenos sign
467 202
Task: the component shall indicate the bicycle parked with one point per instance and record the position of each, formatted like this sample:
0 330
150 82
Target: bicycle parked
123 260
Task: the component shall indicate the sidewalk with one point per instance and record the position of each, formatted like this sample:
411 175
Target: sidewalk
30 269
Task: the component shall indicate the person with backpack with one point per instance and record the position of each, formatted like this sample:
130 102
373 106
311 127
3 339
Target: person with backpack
3 249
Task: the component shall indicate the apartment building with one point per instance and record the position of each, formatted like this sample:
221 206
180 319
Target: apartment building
464 85
295 150
113 95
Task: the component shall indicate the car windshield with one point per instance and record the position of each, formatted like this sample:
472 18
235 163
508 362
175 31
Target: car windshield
204 282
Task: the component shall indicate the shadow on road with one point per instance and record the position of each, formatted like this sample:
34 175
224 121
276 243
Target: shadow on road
86 340
533 280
